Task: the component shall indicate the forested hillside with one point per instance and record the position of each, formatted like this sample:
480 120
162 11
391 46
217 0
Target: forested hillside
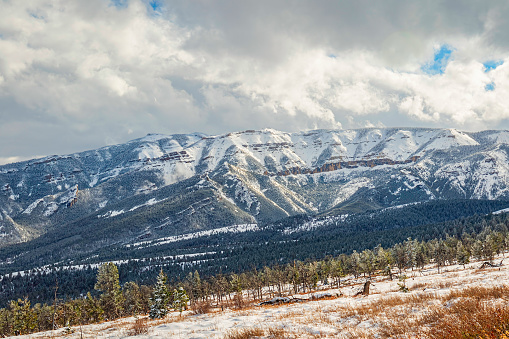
113 294
297 238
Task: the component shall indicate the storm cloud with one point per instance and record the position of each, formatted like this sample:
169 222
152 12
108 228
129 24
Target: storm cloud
76 75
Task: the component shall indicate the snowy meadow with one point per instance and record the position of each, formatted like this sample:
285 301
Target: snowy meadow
457 302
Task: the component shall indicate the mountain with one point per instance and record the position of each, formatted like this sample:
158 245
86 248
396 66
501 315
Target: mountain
164 186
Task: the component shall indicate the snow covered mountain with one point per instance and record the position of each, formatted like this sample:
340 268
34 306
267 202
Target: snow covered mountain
160 186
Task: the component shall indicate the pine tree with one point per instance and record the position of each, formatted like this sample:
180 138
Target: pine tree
355 264
367 262
180 299
132 298
421 256
439 253
160 298
462 255
411 252
24 318
337 272
92 311
197 285
6 323
108 283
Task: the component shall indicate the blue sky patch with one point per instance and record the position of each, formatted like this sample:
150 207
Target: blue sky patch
155 5
119 3
492 64
490 86
440 60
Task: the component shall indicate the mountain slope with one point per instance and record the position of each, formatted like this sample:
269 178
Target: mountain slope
160 186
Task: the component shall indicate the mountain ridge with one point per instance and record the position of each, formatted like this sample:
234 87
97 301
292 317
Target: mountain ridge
250 176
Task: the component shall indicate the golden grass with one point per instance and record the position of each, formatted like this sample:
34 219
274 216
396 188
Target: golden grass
469 318
140 326
258 332
201 307
463 312
411 315
480 292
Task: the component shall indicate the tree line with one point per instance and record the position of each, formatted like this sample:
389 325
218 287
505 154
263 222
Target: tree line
240 252
112 301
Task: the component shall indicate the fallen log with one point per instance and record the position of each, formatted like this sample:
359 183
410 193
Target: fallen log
489 264
281 300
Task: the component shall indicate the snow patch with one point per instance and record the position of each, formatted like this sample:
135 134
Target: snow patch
111 214
51 208
150 202
228 229
32 206
94 180
349 189
505 210
315 223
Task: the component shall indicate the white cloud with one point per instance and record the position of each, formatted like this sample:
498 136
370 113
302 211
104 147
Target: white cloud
90 73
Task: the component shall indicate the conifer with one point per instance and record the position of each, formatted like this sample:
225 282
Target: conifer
160 298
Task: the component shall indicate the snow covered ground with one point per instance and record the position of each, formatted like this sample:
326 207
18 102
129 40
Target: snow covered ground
385 312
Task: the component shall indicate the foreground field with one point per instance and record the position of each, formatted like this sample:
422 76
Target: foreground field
457 302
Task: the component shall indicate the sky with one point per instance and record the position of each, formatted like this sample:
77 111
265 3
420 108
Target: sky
78 75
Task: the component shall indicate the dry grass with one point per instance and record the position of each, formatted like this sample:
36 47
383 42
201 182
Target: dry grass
480 292
290 315
443 284
474 311
410 315
244 333
277 333
201 307
376 307
464 313
140 326
418 286
257 332
469 318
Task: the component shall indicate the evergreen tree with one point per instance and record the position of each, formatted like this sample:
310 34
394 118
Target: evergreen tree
421 256
6 323
160 297
197 285
108 283
439 253
410 253
180 299
24 318
462 255
477 249
354 264
367 262
400 255
92 311
337 272
132 298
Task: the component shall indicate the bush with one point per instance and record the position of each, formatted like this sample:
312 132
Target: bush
201 307
140 326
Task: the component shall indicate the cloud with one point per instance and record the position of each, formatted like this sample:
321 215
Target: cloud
10 160
78 75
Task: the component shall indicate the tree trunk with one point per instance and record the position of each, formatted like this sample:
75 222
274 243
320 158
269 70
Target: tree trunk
365 290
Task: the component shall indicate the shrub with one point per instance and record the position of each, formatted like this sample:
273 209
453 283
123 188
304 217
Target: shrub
140 326
201 307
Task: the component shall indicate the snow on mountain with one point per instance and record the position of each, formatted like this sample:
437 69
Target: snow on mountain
265 174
